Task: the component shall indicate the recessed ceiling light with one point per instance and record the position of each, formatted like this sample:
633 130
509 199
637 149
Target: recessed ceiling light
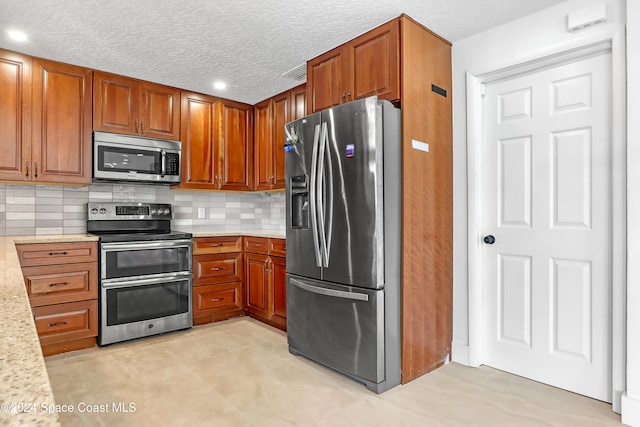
219 85
18 35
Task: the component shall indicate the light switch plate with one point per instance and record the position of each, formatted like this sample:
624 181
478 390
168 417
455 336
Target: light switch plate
201 213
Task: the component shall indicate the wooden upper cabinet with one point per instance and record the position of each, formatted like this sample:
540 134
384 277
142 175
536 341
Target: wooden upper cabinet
325 80
198 134
235 145
281 116
115 103
271 116
15 115
134 107
365 66
217 143
61 123
160 111
298 102
375 63
262 155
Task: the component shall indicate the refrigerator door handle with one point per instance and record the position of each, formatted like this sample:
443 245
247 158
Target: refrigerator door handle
320 195
329 197
330 292
313 208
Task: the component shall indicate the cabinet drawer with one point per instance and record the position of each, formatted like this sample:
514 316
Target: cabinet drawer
56 253
66 322
55 284
217 298
257 245
278 247
217 268
217 245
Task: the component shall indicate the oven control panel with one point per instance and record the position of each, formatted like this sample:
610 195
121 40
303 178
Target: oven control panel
123 211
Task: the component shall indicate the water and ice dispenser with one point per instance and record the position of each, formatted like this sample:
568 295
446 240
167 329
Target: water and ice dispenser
299 201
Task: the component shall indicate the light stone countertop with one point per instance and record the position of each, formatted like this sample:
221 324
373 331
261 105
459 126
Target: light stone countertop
23 375
208 232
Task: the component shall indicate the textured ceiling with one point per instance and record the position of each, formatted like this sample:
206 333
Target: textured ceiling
248 44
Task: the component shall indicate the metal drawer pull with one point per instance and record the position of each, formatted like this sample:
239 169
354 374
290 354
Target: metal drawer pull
58 284
215 245
51 325
217 299
217 268
58 253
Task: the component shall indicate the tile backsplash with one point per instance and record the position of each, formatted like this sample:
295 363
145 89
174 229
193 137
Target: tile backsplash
43 209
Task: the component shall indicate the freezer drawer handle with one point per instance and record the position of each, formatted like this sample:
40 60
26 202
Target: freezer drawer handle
330 292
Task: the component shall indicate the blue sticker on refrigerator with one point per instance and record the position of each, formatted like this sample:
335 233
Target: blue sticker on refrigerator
349 150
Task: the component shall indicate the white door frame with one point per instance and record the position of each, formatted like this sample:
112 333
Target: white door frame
615 43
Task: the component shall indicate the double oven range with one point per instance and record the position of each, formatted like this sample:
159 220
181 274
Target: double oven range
145 270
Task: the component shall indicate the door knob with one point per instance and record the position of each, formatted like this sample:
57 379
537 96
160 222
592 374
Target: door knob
489 240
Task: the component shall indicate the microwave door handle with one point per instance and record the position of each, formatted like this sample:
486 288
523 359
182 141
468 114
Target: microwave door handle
163 171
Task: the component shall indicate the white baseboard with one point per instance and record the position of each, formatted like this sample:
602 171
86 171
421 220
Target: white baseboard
460 353
630 411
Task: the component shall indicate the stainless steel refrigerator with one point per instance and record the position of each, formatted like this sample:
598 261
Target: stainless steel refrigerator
343 240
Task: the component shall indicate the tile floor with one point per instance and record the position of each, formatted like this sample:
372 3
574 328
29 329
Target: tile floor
239 373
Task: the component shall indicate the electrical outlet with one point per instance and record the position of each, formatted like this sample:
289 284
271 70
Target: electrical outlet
201 213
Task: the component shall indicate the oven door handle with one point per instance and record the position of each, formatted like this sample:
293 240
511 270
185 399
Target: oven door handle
127 283
145 245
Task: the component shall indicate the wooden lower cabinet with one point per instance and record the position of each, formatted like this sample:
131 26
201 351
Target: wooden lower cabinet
279 277
265 280
257 284
216 302
66 327
62 284
217 279
228 283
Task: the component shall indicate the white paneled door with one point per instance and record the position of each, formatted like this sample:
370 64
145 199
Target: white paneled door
546 219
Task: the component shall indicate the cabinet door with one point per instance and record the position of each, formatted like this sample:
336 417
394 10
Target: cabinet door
256 245
217 268
15 116
325 87
53 284
216 302
298 102
262 154
37 254
160 116
281 110
257 284
61 123
197 130
235 145
279 286
375 63
217 245
65 322
116 104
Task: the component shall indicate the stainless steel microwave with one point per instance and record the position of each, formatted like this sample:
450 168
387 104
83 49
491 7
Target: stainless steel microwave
125 158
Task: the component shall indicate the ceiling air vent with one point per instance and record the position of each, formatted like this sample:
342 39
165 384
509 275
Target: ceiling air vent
297 73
